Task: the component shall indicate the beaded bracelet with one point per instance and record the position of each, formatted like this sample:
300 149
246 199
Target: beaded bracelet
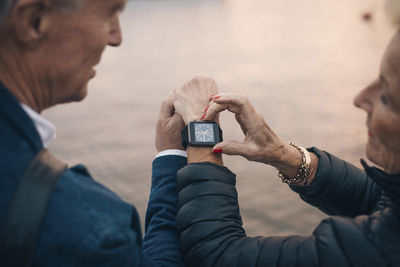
304 169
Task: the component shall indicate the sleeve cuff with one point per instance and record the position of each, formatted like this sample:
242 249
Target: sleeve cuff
172 152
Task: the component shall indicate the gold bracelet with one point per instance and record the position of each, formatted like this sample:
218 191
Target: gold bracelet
304 169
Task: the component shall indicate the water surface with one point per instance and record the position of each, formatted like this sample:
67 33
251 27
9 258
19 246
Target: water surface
300 63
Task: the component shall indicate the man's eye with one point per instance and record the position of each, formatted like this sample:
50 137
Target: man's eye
383 99
117 9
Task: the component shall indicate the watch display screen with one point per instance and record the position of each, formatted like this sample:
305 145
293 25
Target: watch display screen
204 132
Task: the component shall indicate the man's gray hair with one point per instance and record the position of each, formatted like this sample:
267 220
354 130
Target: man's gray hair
68 5
5 7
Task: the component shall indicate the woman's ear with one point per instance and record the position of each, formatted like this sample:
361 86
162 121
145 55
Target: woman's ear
30 20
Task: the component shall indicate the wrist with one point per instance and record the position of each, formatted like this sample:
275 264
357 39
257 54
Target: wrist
295 167
203 154
289 161
191 117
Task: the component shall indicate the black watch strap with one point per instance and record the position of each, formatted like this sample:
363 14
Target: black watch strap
185 137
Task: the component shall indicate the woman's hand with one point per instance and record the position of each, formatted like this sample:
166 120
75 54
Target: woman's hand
260 143
194 97
169 127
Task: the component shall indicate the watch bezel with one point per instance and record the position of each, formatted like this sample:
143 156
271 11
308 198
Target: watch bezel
191 134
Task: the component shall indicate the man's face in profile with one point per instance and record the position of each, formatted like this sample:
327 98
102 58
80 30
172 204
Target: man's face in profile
76 43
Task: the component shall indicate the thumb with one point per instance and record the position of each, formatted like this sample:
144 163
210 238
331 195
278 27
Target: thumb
231 147
177 121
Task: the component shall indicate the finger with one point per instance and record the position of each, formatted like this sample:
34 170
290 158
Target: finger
178 107
231 147
241 123
167 108
241 106
212 111
237 103
176 121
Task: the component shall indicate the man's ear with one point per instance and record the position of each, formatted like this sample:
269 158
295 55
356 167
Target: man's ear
31 21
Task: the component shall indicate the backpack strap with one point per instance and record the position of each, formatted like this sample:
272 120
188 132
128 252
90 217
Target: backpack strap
28 209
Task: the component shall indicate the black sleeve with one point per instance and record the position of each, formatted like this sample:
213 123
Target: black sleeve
340 188
211 234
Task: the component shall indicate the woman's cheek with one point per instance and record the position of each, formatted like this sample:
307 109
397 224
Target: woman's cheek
387 130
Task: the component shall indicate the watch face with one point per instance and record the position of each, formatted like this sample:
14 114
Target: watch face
204 132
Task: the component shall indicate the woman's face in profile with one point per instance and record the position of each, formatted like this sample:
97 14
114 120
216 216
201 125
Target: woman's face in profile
381 101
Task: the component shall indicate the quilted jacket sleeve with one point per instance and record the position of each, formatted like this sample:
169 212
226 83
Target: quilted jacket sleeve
211 233
340 188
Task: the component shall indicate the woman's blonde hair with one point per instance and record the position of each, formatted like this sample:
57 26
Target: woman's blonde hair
392 9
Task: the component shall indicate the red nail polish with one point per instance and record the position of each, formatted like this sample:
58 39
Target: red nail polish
217 150
217 97
203 116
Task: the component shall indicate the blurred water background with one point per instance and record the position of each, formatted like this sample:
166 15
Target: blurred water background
300 63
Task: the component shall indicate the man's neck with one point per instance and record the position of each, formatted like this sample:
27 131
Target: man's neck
19 76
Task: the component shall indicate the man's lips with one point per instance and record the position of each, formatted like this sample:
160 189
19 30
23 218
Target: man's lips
92 74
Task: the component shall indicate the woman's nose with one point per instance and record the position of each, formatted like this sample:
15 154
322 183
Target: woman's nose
361 100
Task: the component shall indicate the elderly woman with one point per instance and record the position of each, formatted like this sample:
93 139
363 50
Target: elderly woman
364 229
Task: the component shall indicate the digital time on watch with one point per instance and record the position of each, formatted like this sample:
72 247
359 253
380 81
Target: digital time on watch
201 134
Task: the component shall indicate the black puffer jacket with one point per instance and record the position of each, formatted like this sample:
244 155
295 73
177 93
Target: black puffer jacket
365 230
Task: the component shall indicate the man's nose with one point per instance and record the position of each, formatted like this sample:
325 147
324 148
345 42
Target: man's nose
115 36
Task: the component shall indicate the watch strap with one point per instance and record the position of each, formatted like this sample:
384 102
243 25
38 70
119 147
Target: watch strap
185 136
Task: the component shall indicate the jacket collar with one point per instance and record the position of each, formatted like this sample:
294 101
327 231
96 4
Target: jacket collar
390 184
12 112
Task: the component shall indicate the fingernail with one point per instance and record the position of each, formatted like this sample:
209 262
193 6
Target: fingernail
217 97
203 116
217 150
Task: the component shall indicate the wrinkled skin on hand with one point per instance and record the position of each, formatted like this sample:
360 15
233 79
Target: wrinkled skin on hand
260 144
194 97
169 127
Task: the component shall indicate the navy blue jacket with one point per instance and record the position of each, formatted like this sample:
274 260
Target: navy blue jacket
364 231
87 224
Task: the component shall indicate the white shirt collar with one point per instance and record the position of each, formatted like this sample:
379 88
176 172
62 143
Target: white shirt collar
46 129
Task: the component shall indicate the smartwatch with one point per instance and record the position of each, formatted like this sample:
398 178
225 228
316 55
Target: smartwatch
201 133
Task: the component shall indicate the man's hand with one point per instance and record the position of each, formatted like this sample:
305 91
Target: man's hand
194 97
169 127
192 101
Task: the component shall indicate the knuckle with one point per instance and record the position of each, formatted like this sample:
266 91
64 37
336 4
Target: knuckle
196 80
244 99
165 101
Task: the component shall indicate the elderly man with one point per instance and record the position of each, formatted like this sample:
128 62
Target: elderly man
47 52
